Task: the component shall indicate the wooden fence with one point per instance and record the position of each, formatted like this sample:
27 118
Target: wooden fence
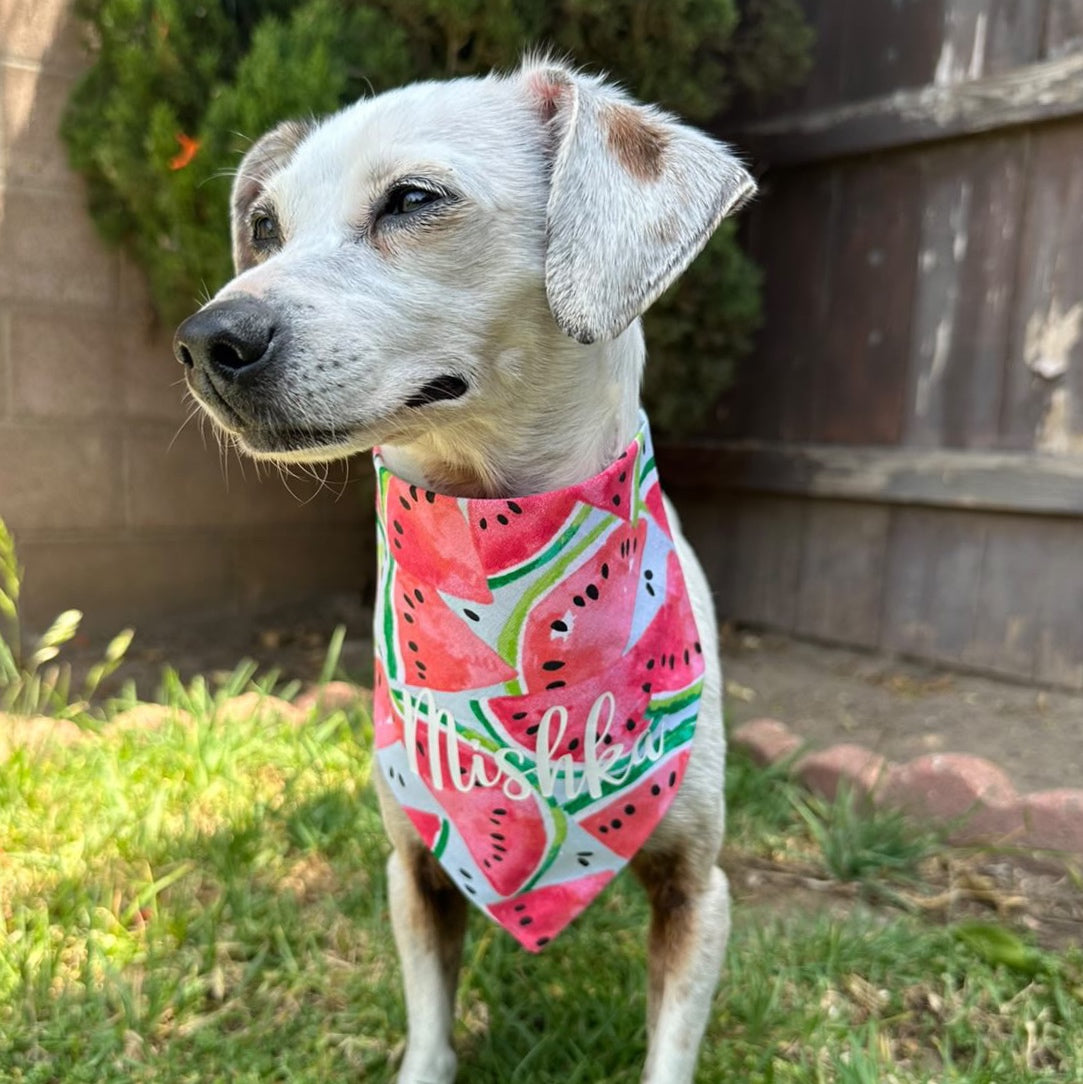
901 464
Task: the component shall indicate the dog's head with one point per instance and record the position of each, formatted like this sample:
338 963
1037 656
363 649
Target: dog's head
402 264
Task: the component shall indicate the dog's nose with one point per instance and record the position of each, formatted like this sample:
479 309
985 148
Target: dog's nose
232 338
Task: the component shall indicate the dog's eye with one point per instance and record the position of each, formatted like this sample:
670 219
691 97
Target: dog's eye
408 198
264 230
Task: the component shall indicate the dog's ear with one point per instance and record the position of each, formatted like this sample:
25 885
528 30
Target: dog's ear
264 158
634 195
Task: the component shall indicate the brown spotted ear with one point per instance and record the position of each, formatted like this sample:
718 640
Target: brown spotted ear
264 158
634 195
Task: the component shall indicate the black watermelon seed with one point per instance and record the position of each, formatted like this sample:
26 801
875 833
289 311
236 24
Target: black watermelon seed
629 725
650 664
420 665
483 523
513 507
518 715
573 744
497 835
470 613
608 739
496 820
409 601
583 862
616 500
579 600
592 591
430 496
486 863
498 858
420 747
519 907
471 889
672 778
656 790
649 574
603 829
500 812
559 626
616 823
404 502
502 519
623 455
605 570
629 809
650 590
556 685
526 920
398 544
408 618
466 873
542 941
699 650
411 645
686 657
553 664
646 686
413 492
532 729
500 847
418 595
623 474
672 661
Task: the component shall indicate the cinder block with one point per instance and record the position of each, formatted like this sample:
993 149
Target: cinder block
5 364
118 579
42 31
32 105
151 381
50 252
59 477
63 364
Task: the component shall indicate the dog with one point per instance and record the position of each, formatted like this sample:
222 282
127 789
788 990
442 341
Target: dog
454 272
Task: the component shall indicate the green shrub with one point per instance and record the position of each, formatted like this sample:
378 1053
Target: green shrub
178 90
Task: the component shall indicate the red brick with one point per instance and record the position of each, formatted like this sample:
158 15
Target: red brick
64 365
766 740
852 765
972 794
334 696
1053 820
61 477
49 251
33 734
31 107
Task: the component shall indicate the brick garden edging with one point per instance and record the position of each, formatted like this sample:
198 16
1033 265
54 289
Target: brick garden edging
972 795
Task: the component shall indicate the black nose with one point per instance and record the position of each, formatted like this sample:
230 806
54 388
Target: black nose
231 338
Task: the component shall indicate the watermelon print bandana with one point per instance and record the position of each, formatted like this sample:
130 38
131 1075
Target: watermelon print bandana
538 676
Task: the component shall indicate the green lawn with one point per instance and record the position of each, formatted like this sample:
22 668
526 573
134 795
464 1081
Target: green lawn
206 903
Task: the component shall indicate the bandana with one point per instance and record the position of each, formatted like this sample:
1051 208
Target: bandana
538 676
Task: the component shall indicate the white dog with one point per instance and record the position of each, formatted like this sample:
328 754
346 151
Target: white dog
454 272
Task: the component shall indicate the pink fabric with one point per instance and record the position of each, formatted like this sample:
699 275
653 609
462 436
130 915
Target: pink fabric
538 676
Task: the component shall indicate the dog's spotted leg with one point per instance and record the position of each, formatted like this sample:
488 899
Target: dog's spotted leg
428 916
690 919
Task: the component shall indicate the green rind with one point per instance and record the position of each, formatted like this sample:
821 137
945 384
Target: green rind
440 845
496 582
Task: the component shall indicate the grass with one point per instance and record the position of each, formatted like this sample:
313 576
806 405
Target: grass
206 902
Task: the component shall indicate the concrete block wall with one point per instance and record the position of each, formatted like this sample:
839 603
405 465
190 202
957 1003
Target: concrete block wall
117 506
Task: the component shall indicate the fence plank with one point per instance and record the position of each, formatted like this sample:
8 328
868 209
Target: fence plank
1043 405
1063 28
965 279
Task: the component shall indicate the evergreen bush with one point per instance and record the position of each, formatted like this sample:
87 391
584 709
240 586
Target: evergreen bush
179 88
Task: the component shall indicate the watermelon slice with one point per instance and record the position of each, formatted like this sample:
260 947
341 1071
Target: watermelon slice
509 532
437 648
427 824
506 837
520 716
386 724
653 502
535 918
439 552
563 642
656 663
616 824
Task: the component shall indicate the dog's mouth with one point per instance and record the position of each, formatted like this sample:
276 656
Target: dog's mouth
442 389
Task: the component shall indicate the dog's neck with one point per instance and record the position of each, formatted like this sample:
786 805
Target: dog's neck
562 418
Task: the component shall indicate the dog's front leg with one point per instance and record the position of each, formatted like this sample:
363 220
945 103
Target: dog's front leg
428 916
690 920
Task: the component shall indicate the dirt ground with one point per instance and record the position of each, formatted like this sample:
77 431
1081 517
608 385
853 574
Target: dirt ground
824 694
